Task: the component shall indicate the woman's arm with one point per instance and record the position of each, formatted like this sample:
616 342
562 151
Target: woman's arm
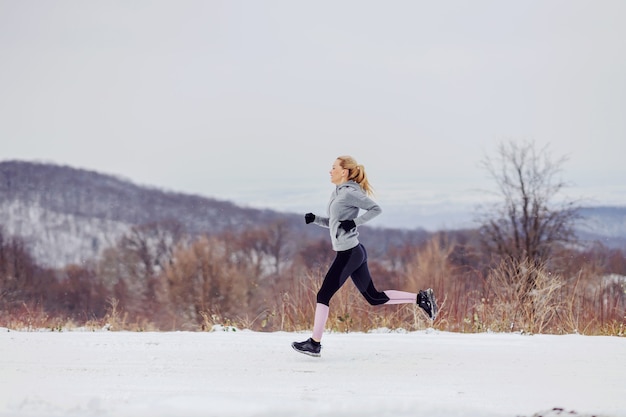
370 207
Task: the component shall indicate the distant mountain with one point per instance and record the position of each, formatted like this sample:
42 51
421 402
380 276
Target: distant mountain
67 215
606 225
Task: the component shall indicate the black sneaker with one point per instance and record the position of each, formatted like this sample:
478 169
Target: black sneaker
426 300
308 347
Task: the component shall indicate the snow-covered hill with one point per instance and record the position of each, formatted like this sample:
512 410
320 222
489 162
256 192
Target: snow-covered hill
604 224
67 215
57 238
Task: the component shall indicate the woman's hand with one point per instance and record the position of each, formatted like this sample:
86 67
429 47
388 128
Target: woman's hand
347 225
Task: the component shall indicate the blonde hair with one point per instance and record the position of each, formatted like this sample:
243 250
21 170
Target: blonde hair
356 173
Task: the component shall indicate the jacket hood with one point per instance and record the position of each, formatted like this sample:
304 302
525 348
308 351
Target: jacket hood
350 184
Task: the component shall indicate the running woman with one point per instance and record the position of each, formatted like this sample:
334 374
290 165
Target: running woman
352 194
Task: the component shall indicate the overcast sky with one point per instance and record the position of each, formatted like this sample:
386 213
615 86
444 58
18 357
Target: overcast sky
252 101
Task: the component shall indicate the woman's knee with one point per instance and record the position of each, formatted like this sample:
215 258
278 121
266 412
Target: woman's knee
375 298
323 299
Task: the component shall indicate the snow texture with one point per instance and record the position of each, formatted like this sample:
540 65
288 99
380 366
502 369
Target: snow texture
56 239
244 373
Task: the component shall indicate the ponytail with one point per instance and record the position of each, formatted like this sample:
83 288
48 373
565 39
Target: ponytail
356 173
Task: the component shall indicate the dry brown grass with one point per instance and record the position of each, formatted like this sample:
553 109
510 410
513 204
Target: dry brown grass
507 298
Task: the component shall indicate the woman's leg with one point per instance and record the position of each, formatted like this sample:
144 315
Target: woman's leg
363 281
337 274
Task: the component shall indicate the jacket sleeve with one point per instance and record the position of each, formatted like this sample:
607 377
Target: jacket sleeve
321 221
365 203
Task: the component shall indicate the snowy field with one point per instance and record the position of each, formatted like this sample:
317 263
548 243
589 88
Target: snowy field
244 373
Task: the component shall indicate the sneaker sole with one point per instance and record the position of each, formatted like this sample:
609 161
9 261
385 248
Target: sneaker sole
304 352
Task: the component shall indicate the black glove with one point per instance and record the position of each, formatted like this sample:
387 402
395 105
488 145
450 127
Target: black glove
347 225
309 218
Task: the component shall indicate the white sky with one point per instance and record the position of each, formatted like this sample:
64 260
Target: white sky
252 101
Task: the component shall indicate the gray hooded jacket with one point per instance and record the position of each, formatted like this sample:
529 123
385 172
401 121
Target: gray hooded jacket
345 203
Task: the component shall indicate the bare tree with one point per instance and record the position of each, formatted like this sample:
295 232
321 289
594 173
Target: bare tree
277 243
524 228
204 278
530 218
20 278
152 244
267 248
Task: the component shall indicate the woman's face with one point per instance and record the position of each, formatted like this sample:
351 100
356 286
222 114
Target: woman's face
338 175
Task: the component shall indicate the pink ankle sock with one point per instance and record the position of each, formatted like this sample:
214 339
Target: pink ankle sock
400 297
321 315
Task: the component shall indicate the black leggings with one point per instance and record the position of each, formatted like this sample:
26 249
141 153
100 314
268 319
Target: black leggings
350 263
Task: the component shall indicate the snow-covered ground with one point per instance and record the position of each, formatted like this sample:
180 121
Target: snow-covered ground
244 373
